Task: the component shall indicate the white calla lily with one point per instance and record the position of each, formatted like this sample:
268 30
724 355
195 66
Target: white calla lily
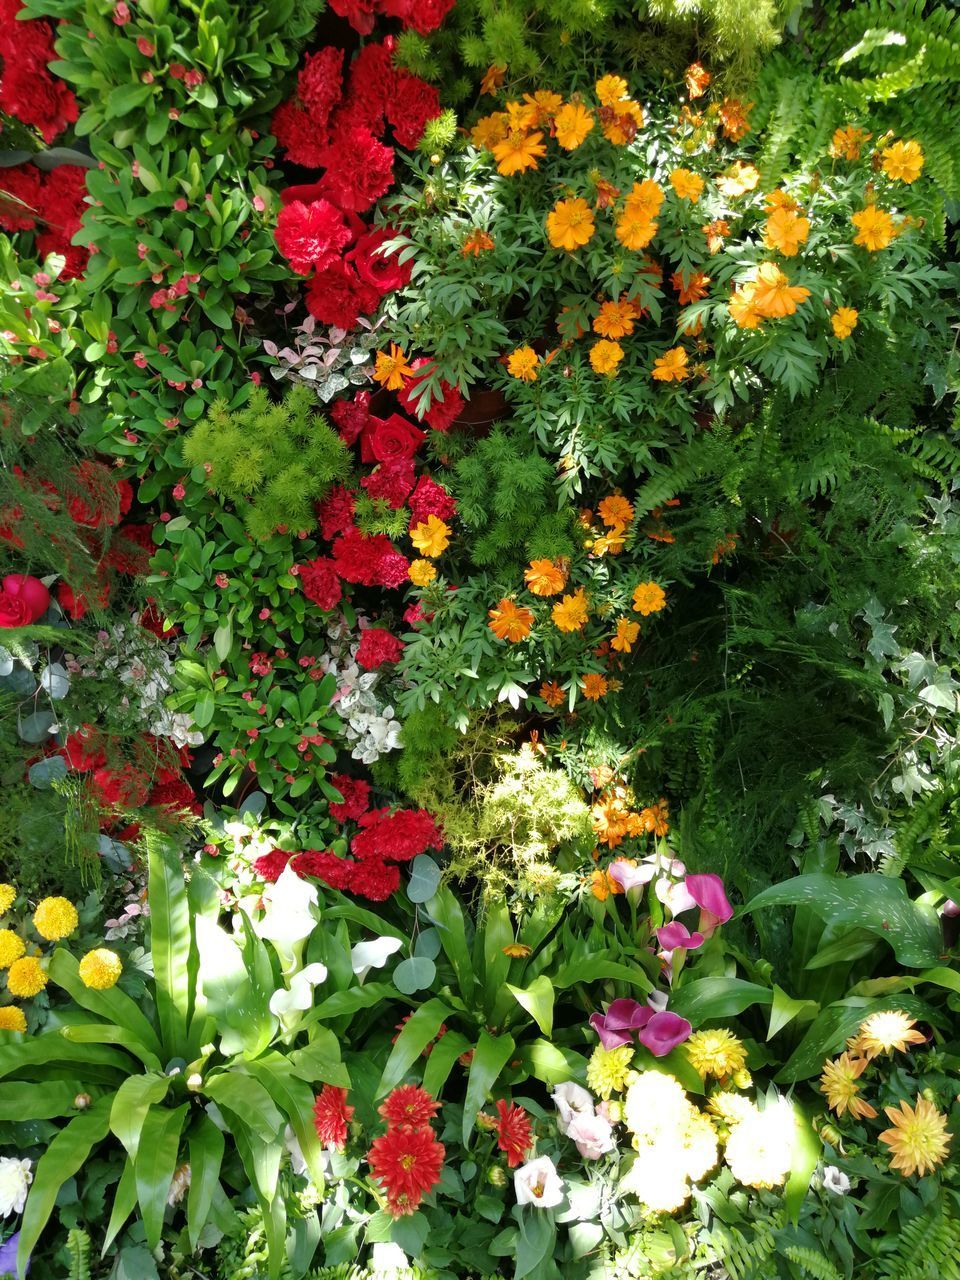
299 996
288 918
372 955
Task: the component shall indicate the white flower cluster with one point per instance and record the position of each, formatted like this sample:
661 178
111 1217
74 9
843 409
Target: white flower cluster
370 722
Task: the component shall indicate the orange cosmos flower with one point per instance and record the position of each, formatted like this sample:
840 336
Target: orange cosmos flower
648 598
522 115
615 510
620 123
544 104
785 230
431 537
635 231
391 370
727 544
671 366
615 319
644 199
773 294
875 229
594 686
606 191
738 179
733 118
611 90
690 288
518 151
544 578
903 161
653 819
605 356
510 622
493 78
848 142
489 130
572 124
570 225
715 232
599 885
572 612
551 693
477 242
743 308
844 321
516 950
696 78
610 543
687 185
626 635
523 363
779 200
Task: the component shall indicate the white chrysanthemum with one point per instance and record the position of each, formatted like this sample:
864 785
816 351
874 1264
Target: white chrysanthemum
15 1179
760 1148
657 1180
655 1105
700 1146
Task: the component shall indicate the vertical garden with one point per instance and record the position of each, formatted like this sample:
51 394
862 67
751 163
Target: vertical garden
479 639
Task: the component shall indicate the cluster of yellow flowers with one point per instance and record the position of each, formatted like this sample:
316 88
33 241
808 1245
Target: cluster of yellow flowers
919 1140
54 919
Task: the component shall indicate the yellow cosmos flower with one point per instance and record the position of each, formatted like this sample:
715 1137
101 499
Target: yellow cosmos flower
737 179
672 366
838 1084
516 950
615 510
635 231
100 969
8 896
903 161
493 78
431 537
489 130
55 918
510 622
773 294
715 1053
786 231
571 613
875 228
392 369
644 199
611 89
919 1139
12 1019
626 635
572 124
844 321
885 1032
607 1068
422 572
12 947
523 364
25 977
648 598
544 578
594 686
518 151
570 225
605 356
615 319
687 185
743 308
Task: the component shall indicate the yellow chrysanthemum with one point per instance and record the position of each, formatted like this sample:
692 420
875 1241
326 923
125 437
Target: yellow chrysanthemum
607 1069
422 572
838 1084
903 161
100 969
12 1019
885 1032
919 1138
715 1053
8 896
773 295
431 537
648 597
25 977
730 1108
12 947
55 918
522 364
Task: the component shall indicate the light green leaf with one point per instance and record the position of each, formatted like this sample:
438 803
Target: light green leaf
170 942
785 1008
131 1104
707 998
247 1099
155 1164
420 1028
111 1005
537 999
206 1147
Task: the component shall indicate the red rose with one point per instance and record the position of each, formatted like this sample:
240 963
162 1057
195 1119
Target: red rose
383 271
23 600
394 438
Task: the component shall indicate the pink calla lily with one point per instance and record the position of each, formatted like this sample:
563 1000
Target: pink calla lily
708 893
673 935
616 1026
628 877
664 1032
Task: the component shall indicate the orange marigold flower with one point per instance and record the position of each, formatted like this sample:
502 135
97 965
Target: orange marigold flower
523 363
626 635
653 819
738 179
391 370
493 78
572 124
615 319
786 231
544 578
875 228
848 142
844 321
518 151
690 288
594 686
648 598
477 242
687 184
696 78
510 622
773 294
422 572
571 613
600 885
605 356
570 224
615 510
733 118
551 693
489 130
671 366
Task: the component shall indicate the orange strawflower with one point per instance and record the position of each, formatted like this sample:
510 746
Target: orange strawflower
571 613
648 598
615 510
786 231
551 693
477 242
510 622
848 142
572 124
671 366
687 185
875 228
844 321
696 78
518 151
615 319
570 224
523 363
605 356
544 578
594 686
626 635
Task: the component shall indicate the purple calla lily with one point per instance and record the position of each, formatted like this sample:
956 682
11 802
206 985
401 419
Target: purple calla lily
615 1027
708 893
664 1032
673 935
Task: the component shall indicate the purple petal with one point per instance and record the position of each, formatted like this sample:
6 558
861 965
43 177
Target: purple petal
676 934
708 893
8 1255
626 1014
664 1032
609 1039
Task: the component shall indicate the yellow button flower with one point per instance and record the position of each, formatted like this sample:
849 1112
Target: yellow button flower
12 1019
25 977
11 947
55 918
523 363
100 969
8 896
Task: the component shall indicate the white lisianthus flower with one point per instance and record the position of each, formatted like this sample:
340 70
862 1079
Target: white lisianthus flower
538 1183
835 1180
592 1134
15 1178
571 1101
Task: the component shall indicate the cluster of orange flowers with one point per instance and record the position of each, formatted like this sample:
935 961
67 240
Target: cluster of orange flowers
615 817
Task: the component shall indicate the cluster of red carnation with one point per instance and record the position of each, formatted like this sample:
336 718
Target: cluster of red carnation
340 129
383 840
407 1160
28 91
49 204
423 16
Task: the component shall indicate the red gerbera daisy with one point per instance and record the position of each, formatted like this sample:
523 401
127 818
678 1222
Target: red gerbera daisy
407 1163
513 1132
331 1115
409 1105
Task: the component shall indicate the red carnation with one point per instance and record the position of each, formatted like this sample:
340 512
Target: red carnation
95 497
337 296
513 1132
31 94
352 416
385 272
269 866
22 185
125 786
371 86
430 499
359 13
369 561
320 582
130 549
319 84
392 439
407 1162
356 797
378 646
423 15
83 749
174 796
311 235
76 604
392 482
299 135
396 836
411 105
335 512
374 879
331 1116
323 865
408 1104
359 169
